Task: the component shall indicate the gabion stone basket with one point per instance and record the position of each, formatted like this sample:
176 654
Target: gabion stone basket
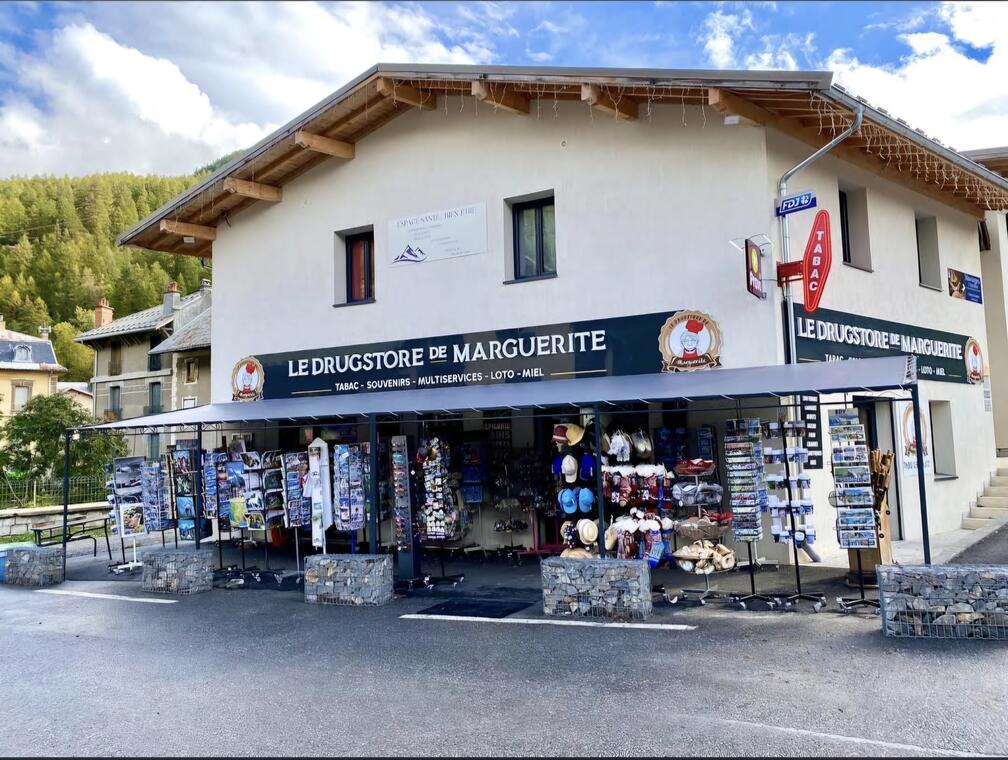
350 579
177 571
34 565
944 601
610 588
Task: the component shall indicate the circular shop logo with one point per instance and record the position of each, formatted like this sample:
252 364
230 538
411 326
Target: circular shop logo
689 340
974 359
247 379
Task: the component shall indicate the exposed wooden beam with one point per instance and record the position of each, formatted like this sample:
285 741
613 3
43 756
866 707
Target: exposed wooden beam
185 229
622 107
404 93
507 100
256 190
327 145
729 103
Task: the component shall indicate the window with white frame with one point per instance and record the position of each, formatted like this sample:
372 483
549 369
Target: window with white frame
928 264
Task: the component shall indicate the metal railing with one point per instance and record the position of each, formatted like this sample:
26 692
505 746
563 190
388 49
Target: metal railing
18 493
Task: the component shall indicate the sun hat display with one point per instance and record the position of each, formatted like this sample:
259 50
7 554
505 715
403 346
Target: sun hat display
586 499
574 434
579 554
587 531
611 538
560 434
569 468
568 501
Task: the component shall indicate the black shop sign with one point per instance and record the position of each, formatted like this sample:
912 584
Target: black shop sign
677 341
829 335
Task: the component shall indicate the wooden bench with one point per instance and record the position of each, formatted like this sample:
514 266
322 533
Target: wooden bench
51 533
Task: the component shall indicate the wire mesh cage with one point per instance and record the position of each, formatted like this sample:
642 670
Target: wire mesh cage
177 571
944 601
598 588
348 579
33 565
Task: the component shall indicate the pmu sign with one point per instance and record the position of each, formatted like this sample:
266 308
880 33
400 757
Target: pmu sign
817 261
798 202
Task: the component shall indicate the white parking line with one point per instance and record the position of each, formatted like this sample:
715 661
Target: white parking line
116 597
543 621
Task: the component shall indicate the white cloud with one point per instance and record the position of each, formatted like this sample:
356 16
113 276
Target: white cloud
938 87
168 87
720 33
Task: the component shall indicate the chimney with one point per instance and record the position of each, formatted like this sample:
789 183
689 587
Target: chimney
204 285
44 331
172 298
102 313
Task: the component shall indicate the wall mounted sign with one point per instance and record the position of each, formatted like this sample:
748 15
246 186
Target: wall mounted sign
817 261
908 441
835 335
798 202
754 268
435 235
677 341
965 286
247 380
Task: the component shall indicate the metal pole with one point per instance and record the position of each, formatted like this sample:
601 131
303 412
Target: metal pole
921 486
67 435
198 496
784 227
598 482
373 485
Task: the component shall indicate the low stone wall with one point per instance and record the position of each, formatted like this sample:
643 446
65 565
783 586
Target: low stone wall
15 522
611 588
177 571
33 565
354 579
944 601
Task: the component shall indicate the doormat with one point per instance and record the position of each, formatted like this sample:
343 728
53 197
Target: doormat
490 608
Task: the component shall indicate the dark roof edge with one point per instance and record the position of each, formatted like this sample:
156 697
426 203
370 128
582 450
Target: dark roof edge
706 77
82 338
986 154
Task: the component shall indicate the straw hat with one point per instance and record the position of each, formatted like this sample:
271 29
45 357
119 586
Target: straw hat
587 531
578 554
610 538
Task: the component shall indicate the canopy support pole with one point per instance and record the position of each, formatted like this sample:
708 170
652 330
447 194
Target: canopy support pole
921 486
198 500
373 485
67 435
598 480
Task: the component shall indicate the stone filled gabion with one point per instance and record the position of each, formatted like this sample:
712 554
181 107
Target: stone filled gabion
944 601
34 565
354 579
610 588
177 571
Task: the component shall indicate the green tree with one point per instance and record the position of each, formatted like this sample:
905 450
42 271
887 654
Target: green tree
33 440
76 357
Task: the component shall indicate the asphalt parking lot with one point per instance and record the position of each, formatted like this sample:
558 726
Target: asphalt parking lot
102 668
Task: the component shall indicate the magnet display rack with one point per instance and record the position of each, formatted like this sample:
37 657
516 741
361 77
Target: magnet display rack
797 505
747 488
854 497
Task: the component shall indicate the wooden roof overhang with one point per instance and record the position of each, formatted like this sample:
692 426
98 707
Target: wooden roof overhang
802 105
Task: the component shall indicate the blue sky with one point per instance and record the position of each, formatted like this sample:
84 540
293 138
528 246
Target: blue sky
168 86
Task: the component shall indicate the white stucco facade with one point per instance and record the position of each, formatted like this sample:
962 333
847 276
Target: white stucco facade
644 215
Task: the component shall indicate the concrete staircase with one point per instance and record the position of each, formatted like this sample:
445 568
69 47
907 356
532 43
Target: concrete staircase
992 507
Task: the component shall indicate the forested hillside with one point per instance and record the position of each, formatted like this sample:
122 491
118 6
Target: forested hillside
58 254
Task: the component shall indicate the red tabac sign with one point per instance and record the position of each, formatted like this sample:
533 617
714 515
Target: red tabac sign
816 262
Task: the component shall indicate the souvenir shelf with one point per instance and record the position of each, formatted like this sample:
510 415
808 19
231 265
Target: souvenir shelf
854 497
747 485
788 502
703 560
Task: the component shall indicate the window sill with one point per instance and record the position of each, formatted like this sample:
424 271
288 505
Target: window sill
534 278
852 265
937 288
943 476
353 303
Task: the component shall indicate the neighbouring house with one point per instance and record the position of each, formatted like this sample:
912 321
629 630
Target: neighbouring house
151 361
80 393
28 367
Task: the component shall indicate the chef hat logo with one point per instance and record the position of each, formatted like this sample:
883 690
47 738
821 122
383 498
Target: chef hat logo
694 326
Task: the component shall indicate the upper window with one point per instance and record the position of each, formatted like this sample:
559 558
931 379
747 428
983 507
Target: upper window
360 267
534 238
22 353
115 358
928 265
854 227
22 393
191 370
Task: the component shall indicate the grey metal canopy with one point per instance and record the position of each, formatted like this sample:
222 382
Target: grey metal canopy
887 373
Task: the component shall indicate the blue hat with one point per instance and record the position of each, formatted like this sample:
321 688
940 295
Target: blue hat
586 499
568 503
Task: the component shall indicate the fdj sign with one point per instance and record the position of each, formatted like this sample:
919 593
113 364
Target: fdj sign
792 203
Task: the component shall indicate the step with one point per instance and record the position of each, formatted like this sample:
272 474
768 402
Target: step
1002 471
999 480
972 523
989 513
998 502
996 491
